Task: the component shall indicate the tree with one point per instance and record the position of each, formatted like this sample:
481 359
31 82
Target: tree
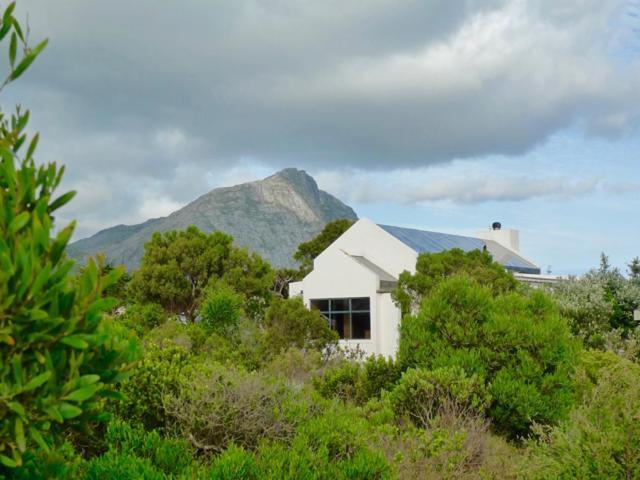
288 323
517 344
433 268
634 270
58 356
308 251
178 266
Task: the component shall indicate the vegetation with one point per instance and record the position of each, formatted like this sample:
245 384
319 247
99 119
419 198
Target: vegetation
197 370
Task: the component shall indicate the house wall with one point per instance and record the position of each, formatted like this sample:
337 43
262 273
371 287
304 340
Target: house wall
336 275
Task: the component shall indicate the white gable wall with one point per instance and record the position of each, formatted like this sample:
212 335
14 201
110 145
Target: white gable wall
336 275
369 240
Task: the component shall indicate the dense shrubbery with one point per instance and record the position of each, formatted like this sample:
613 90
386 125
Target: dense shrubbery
517 344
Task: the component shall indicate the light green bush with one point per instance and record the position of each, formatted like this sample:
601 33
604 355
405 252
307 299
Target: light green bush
423 395
221 311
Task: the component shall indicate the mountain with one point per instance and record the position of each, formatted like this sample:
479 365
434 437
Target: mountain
270 216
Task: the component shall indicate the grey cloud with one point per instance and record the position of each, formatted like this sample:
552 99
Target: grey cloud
166 92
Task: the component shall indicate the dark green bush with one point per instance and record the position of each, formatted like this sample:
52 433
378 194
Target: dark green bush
518 344
142 318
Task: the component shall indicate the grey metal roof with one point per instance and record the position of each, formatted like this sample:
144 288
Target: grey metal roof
432 242
423 241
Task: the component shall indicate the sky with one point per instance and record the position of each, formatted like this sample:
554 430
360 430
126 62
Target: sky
444 115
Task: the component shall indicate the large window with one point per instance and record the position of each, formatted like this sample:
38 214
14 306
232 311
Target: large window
350 317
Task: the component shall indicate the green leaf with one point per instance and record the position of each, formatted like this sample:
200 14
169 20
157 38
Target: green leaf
61 200
90 379
27 60
37 437
18 222
75 342
53 413
82 394
18 408
8 462
19 431
13 48
36 382
69 411
33 145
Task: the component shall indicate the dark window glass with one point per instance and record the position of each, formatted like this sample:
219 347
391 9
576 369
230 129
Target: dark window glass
322 305
340 305
361 325
361 304
340 322
350 317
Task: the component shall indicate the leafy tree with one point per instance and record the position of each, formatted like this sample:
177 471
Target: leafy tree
288 323
58 356
518 345
432 268
178 266
634 270
308 251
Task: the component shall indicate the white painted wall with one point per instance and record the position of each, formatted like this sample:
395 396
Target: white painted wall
336 275
507 237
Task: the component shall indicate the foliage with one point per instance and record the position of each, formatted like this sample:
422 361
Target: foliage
235 463
359 381
177 267
519 345
599 302
143 317
308 251
57 359
224 405
288 324
423 395
221 311
432 268
158 374
601 437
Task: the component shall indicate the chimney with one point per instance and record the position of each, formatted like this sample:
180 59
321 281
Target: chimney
507 237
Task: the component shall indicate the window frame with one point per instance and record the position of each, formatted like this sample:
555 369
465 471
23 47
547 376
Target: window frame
328 314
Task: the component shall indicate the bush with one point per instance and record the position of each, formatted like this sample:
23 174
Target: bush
235 463
142 318
423 395
160 373
222 405
359 381
221 311
288 324
519 345
601 437
432 268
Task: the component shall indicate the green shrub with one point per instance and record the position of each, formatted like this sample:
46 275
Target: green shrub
122 466
235 463
288 323
59 462
221 311
221 405
160 373
142 318
518 344
422 395
601 437
432 268
168 455
359 381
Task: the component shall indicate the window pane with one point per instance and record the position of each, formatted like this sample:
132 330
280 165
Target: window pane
340 305
340 323
360 303
361 326
322 305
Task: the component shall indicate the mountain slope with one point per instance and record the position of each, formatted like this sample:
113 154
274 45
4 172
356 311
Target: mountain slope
270 216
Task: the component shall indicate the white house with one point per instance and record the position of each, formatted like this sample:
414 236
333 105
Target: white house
352 279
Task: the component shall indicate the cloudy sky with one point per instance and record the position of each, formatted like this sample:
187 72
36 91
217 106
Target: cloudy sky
436 114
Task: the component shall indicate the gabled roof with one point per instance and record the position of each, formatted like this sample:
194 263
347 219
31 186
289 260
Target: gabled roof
423 241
